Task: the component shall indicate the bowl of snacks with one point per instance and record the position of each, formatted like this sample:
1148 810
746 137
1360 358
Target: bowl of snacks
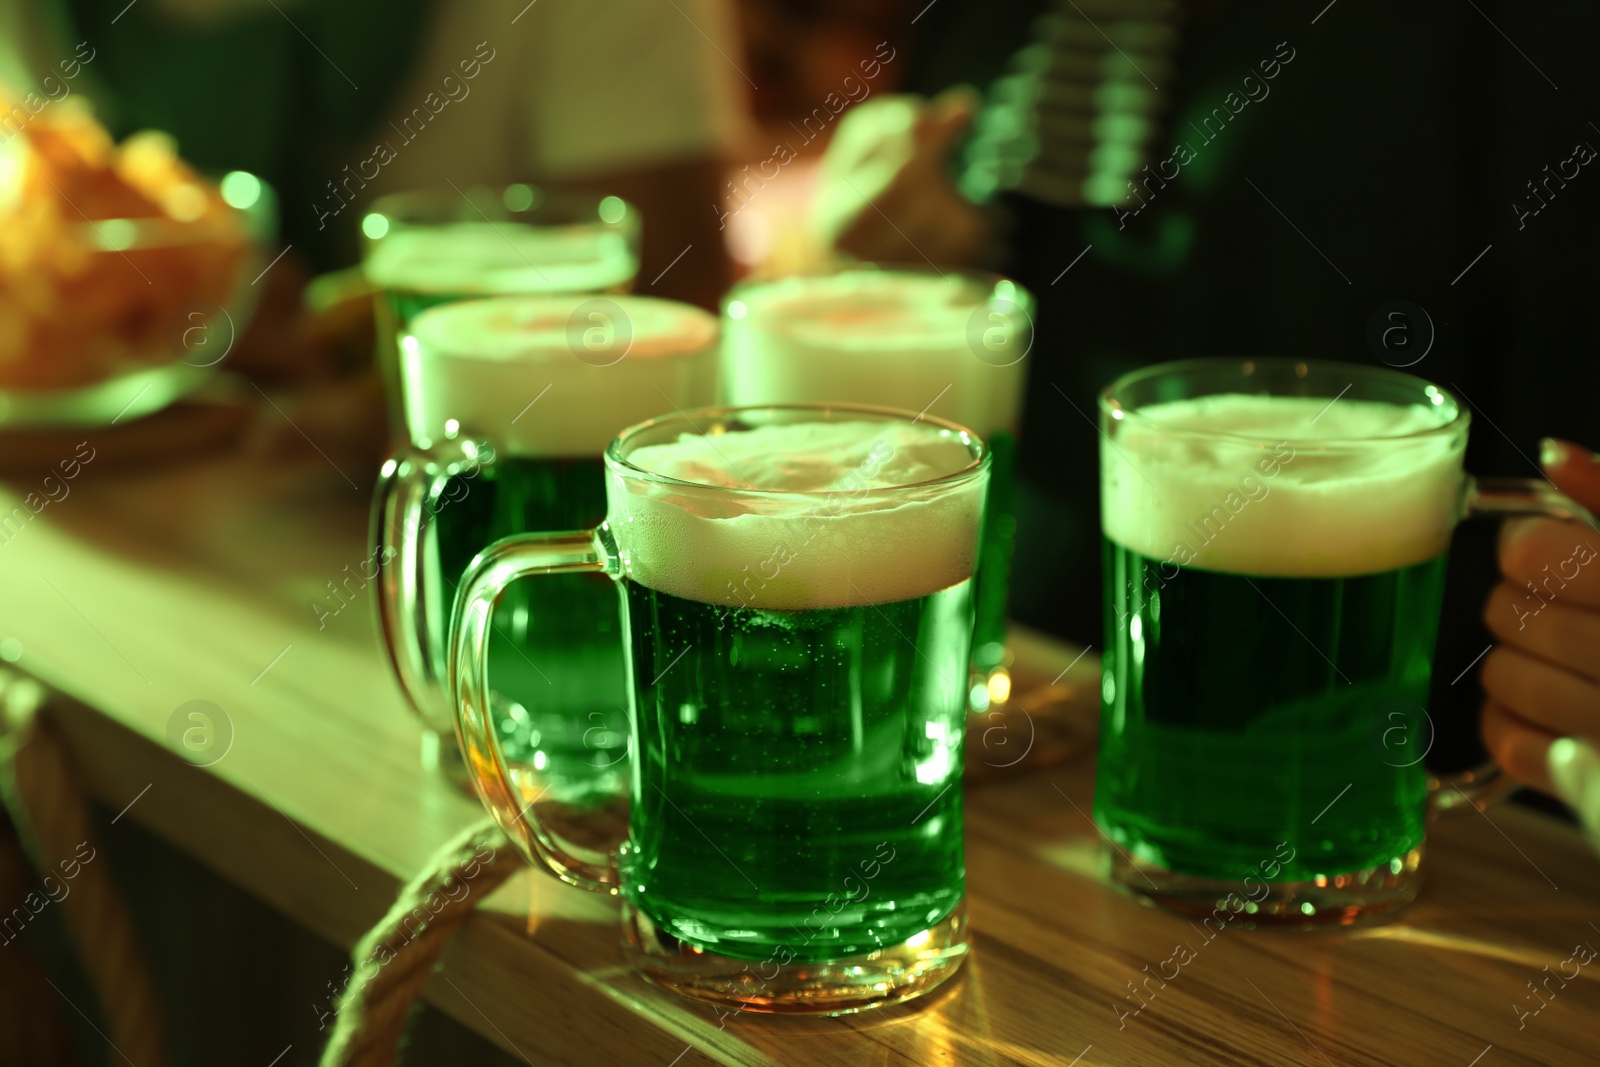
125 276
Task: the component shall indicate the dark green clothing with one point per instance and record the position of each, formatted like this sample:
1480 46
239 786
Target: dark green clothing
1399 140
286 101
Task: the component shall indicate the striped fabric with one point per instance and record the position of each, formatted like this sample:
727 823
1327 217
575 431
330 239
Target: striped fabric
1072 123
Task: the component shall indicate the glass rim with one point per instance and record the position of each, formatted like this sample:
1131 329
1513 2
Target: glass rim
991 280
396 205
258 221
620 464
1111 407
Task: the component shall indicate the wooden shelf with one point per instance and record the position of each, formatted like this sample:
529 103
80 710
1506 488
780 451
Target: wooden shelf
144 590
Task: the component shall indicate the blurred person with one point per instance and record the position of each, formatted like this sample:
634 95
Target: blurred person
799 51
1395 186
892 154
335 104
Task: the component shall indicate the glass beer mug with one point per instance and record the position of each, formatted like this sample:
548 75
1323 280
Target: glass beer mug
1275 540
509 403
796 586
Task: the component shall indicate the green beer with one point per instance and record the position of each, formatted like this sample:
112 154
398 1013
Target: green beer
951 345
748 747
494 500
1274 570
1226 731
425 264
509 403
421 268
796 590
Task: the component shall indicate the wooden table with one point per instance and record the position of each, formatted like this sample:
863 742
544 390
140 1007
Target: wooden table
144 590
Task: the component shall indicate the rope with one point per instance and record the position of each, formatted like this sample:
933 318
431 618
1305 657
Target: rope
39 787
391 963
394 960
33 1027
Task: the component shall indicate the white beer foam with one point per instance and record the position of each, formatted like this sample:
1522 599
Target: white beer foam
502 258
483 363
1279 494
820 538
893 338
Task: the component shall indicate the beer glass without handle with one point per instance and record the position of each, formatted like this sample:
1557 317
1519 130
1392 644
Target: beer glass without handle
795 838
1275 537
509 404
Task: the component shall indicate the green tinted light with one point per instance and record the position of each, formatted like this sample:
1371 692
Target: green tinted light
375 225
612 208
1116 158
118 234
1103 188
518 197
1122 126
240 189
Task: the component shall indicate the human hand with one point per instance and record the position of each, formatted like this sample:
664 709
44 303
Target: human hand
884 190
1542 718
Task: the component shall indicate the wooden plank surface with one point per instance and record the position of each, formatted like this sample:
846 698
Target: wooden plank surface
143 590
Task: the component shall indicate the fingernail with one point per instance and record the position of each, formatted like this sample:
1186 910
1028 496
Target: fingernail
1550 452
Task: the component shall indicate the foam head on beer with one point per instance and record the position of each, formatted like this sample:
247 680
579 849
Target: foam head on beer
554 375
820 531
903 339
1265 485
484 258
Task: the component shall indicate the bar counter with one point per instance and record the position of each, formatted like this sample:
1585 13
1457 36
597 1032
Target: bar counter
145 589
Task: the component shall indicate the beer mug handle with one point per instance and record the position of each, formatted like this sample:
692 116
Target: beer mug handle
1499 498
491 573
409 487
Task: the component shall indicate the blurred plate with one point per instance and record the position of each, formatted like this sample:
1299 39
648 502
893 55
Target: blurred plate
191 345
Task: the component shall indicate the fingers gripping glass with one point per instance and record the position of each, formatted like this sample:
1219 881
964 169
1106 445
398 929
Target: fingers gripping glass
796 589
